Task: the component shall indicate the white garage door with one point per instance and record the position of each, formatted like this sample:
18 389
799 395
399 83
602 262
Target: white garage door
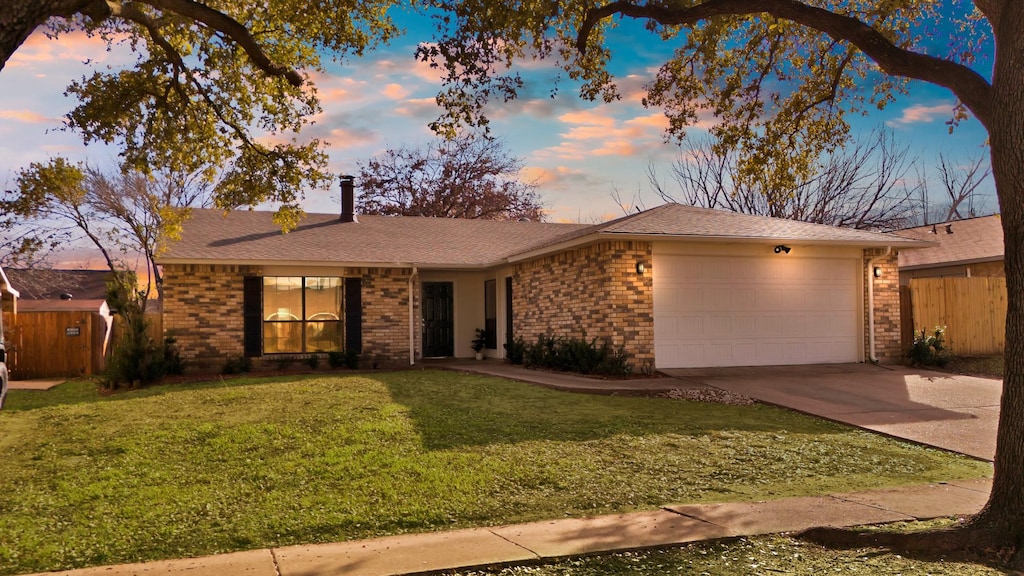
755 311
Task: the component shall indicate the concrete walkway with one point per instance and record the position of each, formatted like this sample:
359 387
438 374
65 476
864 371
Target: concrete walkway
40 384
954 412
549 540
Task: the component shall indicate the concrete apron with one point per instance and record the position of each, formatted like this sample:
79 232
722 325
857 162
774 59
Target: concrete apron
948 411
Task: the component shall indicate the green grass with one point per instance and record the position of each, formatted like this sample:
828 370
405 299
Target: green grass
185 470
745 556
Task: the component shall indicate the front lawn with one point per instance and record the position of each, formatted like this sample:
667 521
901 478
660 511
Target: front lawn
196 469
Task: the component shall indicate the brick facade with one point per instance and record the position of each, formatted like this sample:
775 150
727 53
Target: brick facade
888 347
386 316
203 310
594 290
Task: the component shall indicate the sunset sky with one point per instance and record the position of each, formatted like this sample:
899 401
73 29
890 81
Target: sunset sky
579 152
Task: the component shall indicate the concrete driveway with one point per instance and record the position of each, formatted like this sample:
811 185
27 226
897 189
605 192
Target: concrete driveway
950 411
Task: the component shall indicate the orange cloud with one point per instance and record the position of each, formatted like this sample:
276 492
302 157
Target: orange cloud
395 91
26 116
591 117
38 51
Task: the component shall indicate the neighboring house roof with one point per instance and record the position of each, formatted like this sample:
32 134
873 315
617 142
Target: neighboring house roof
959 242
86 305
49 284
252 237
5 285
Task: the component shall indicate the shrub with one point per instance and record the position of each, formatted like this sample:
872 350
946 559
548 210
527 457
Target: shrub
929 349
347 358
173 364
237 365
574 355
136 359
516 350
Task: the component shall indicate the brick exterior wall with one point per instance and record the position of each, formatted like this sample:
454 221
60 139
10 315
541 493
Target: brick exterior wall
203 310
888 347
594 289
386 316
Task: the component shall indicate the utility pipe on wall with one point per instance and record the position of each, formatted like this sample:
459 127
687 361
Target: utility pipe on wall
412 318
871 302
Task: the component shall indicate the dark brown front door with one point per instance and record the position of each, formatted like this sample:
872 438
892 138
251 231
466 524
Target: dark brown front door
438 323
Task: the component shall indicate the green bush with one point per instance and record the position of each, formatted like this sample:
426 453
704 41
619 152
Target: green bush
516 350
929 349
237 365
573 355
136 359
346 358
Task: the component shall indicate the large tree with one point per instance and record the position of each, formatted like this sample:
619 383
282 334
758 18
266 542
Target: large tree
782 76
121 214
862 186
464 177
216 83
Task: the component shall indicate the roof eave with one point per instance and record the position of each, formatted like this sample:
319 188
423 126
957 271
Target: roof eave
902 243
333 264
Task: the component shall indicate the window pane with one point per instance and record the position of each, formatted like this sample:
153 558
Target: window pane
323 298
280 337
282 298
323 336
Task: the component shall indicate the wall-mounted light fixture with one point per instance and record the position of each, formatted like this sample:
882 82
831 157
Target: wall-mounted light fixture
640 267
782 248
877 271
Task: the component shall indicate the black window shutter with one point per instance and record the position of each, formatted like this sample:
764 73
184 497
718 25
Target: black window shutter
354 315
252 306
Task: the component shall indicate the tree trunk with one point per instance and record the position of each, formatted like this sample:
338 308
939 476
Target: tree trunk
1005 508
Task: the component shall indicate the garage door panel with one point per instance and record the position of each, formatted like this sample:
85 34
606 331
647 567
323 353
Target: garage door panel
736 311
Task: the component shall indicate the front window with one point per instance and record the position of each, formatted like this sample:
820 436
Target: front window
302 314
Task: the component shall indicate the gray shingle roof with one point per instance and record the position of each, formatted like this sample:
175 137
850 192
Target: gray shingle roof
49 284
967 241
252 237
691 221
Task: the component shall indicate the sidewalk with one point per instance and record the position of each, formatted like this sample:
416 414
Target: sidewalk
548 540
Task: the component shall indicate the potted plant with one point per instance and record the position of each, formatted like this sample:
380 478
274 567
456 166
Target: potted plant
479 343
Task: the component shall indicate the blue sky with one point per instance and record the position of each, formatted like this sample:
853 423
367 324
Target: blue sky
579 152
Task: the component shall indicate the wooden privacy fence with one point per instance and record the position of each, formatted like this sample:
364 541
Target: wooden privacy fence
973 310
51 344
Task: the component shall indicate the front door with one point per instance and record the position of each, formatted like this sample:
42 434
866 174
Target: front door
438 323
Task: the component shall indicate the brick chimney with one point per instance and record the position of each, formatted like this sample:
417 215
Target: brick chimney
348 199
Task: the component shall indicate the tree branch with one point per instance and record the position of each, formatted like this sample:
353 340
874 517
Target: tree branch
970 87
232 28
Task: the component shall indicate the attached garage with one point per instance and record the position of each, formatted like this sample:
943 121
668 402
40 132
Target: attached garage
746 305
